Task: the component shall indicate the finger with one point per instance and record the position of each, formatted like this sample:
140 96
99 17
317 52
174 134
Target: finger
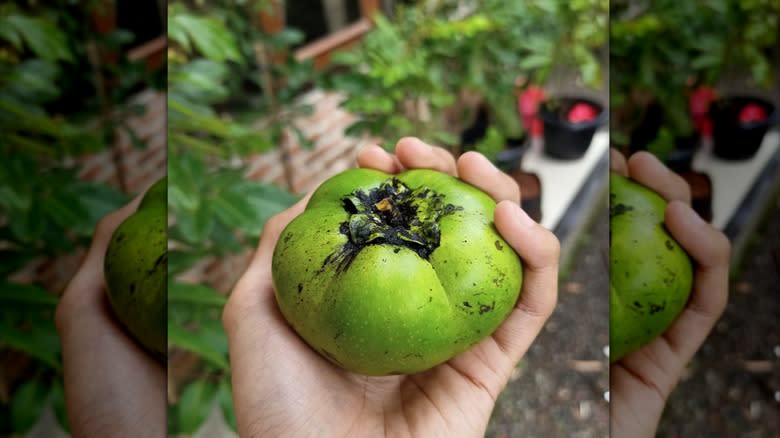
662 362
413 153
478 171
374 157
646 169
710 250
99 359
252 293
539 250
617 162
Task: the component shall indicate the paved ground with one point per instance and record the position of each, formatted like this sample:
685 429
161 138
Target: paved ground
558 388
732 387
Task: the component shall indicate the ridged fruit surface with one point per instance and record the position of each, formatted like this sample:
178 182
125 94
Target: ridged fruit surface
394 274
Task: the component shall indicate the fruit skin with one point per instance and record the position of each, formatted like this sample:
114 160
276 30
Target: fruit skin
391 311
650 273
136 268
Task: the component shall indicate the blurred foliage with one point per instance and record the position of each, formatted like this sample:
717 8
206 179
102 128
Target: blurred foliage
659 48
206 58
232 92
51 113
417 69
493 143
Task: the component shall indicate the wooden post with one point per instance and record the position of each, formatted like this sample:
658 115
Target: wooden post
368 8
273 21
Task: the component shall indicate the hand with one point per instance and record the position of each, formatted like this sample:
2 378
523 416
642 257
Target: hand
641 382
112 386
283 387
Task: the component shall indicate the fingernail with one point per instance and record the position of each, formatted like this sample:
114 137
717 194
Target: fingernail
523 219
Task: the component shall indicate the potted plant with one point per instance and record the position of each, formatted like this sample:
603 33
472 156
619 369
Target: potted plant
567 36
569 125
734 54
650 49
739 125
434 71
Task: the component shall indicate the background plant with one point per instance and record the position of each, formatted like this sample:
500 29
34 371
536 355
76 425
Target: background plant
48 119
231 93
426 69
658 49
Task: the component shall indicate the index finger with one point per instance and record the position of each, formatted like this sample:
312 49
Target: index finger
646 169
539 250
413 153
617 162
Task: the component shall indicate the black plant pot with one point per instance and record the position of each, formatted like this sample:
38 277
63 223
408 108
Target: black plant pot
647 130
681 158
511 157
733 140
565 140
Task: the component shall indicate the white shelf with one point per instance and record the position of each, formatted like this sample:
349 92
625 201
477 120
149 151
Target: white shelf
562 179
732 180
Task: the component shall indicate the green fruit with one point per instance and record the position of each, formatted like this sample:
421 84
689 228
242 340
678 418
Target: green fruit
136 267
394 274
650 273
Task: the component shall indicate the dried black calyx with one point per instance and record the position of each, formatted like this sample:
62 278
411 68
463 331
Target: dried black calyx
391 214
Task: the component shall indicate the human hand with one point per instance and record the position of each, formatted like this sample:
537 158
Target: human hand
112 386
283 387
641 382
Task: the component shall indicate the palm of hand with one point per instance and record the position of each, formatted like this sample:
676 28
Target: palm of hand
641 382
282 386
456 396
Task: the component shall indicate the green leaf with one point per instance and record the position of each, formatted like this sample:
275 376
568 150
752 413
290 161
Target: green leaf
181 260
15 294
361 127
135 140
116 38
446 138
208 34
98 200
10 34
224 240
194 294
12 260
64 209
33 80
193 342
195 226
40 341
195 404
42 37
199 81
286 38
535 61
225 400
57 397
26 405
185 175
212 331
236 213
27 226
706 60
